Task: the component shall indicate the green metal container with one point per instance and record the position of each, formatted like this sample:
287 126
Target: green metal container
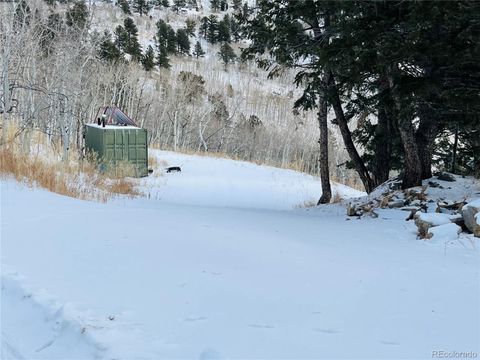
114 144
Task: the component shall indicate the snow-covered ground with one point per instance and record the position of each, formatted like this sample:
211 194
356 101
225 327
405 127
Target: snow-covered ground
221 182
201 270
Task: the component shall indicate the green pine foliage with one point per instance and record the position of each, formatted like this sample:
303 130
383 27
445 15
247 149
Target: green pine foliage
212 31
226 54
125 6
198 50
223 34
142 6
183 42
108 51
148 59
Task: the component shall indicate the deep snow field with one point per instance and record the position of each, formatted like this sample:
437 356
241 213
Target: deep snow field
221 261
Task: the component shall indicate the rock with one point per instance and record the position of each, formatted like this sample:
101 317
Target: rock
433 184
425 221
396 204
351 210
446 177
444 232
471 216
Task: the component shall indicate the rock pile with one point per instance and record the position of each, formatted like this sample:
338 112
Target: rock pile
433 217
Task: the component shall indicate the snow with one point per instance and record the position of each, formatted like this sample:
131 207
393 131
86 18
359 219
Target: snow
474 203
113 126
445 232
238 272
437 219
228 183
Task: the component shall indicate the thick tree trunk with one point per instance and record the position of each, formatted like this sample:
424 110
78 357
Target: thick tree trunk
323 142
347 137
425 138
412 169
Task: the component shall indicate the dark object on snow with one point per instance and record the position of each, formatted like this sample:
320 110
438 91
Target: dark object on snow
150 171
433 184
446 177
174 169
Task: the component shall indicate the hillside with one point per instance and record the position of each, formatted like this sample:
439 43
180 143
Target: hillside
193 271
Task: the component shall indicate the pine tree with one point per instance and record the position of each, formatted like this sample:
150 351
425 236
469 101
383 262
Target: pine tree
148 59
183 43
212 31
132 46
164 3
142 6
171 40
107 49
224 30
190 25
226 54
203 30
125 6
77 15
162 57
198 51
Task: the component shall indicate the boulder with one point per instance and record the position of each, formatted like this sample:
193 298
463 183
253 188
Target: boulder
444 232
471 216
425 221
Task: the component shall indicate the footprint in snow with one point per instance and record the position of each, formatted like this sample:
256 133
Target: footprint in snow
326 331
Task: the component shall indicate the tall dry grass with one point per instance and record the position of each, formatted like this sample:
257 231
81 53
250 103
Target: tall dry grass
77 179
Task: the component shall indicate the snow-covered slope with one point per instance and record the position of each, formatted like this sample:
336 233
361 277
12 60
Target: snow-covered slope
160 279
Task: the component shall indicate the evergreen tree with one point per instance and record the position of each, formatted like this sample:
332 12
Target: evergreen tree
226 54
224 30
108 51
77 15
142 6
162 57
164 3
133 46
162 32
190 26
198 51
148 59
212 31
403 72
204 23
183 42
171 40
125 6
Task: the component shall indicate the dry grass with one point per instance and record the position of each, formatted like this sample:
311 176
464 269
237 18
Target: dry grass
78 179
